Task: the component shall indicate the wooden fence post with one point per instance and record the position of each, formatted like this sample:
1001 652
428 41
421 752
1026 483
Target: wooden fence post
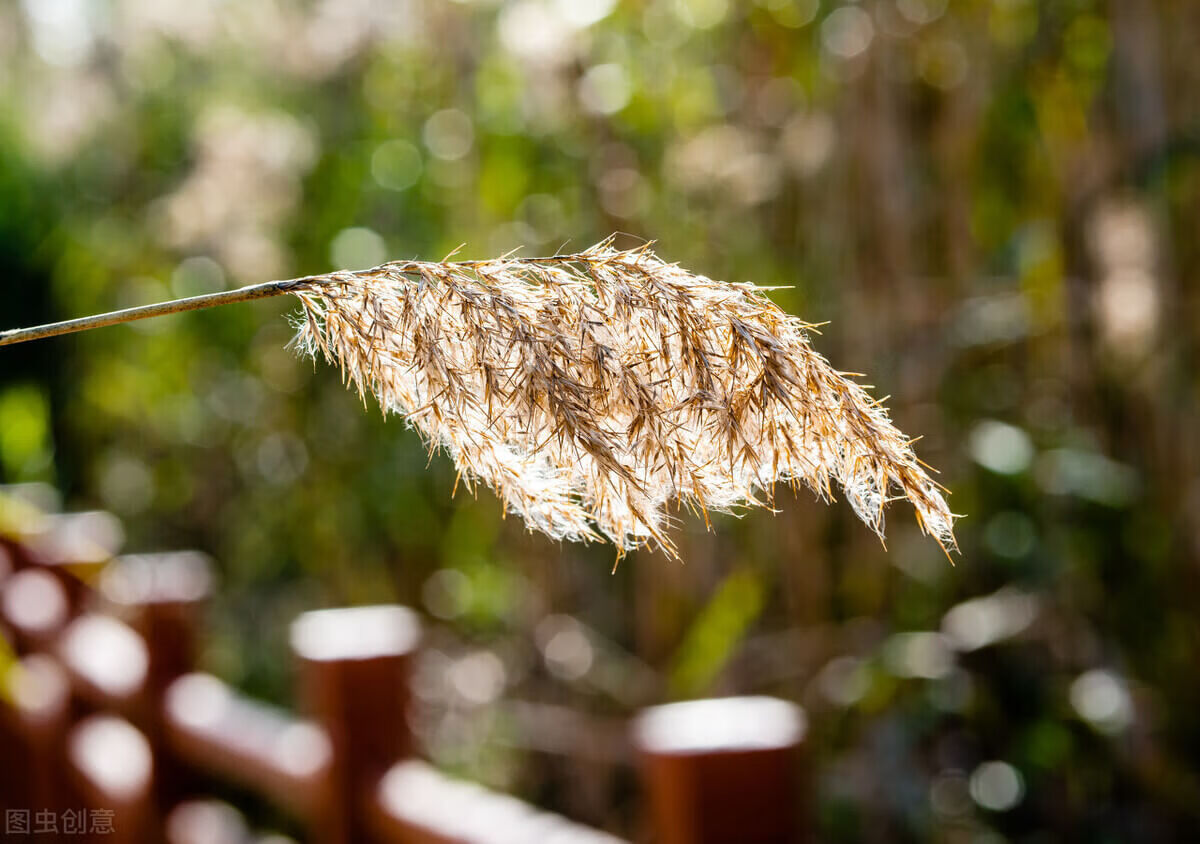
723 770
34 607
107 662
161 597
74 547
354 670
113 770
33 724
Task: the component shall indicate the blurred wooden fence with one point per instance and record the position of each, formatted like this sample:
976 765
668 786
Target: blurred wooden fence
109 734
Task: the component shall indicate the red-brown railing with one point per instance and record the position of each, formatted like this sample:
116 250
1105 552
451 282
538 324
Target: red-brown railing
106 727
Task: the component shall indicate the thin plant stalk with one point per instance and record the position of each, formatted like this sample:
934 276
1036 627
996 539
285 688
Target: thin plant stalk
176 306
248 293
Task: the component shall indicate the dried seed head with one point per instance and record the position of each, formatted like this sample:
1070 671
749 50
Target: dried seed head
590 390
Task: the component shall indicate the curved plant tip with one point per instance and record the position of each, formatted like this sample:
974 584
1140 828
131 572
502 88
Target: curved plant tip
591 390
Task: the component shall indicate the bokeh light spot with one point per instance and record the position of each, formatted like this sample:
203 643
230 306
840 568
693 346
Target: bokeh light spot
357 249
1102 699
396 165
847 32
449 134
1003 448
997 786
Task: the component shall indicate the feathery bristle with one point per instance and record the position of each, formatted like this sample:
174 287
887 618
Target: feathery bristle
591 390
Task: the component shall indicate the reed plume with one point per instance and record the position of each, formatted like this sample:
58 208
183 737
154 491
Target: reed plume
593 390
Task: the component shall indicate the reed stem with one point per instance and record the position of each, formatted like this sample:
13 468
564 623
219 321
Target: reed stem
208 300
192 303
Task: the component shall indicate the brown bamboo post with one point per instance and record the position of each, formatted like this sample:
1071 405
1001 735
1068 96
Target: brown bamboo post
723 770
161 597
34 608
74 547
354 670
107 663
112 768
34 719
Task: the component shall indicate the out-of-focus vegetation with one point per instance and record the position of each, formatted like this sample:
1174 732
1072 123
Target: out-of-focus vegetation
994 203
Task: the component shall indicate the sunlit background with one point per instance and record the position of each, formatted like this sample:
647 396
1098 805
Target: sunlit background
994 203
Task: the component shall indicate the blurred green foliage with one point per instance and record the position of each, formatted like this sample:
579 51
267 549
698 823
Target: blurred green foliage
715 634
993 202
